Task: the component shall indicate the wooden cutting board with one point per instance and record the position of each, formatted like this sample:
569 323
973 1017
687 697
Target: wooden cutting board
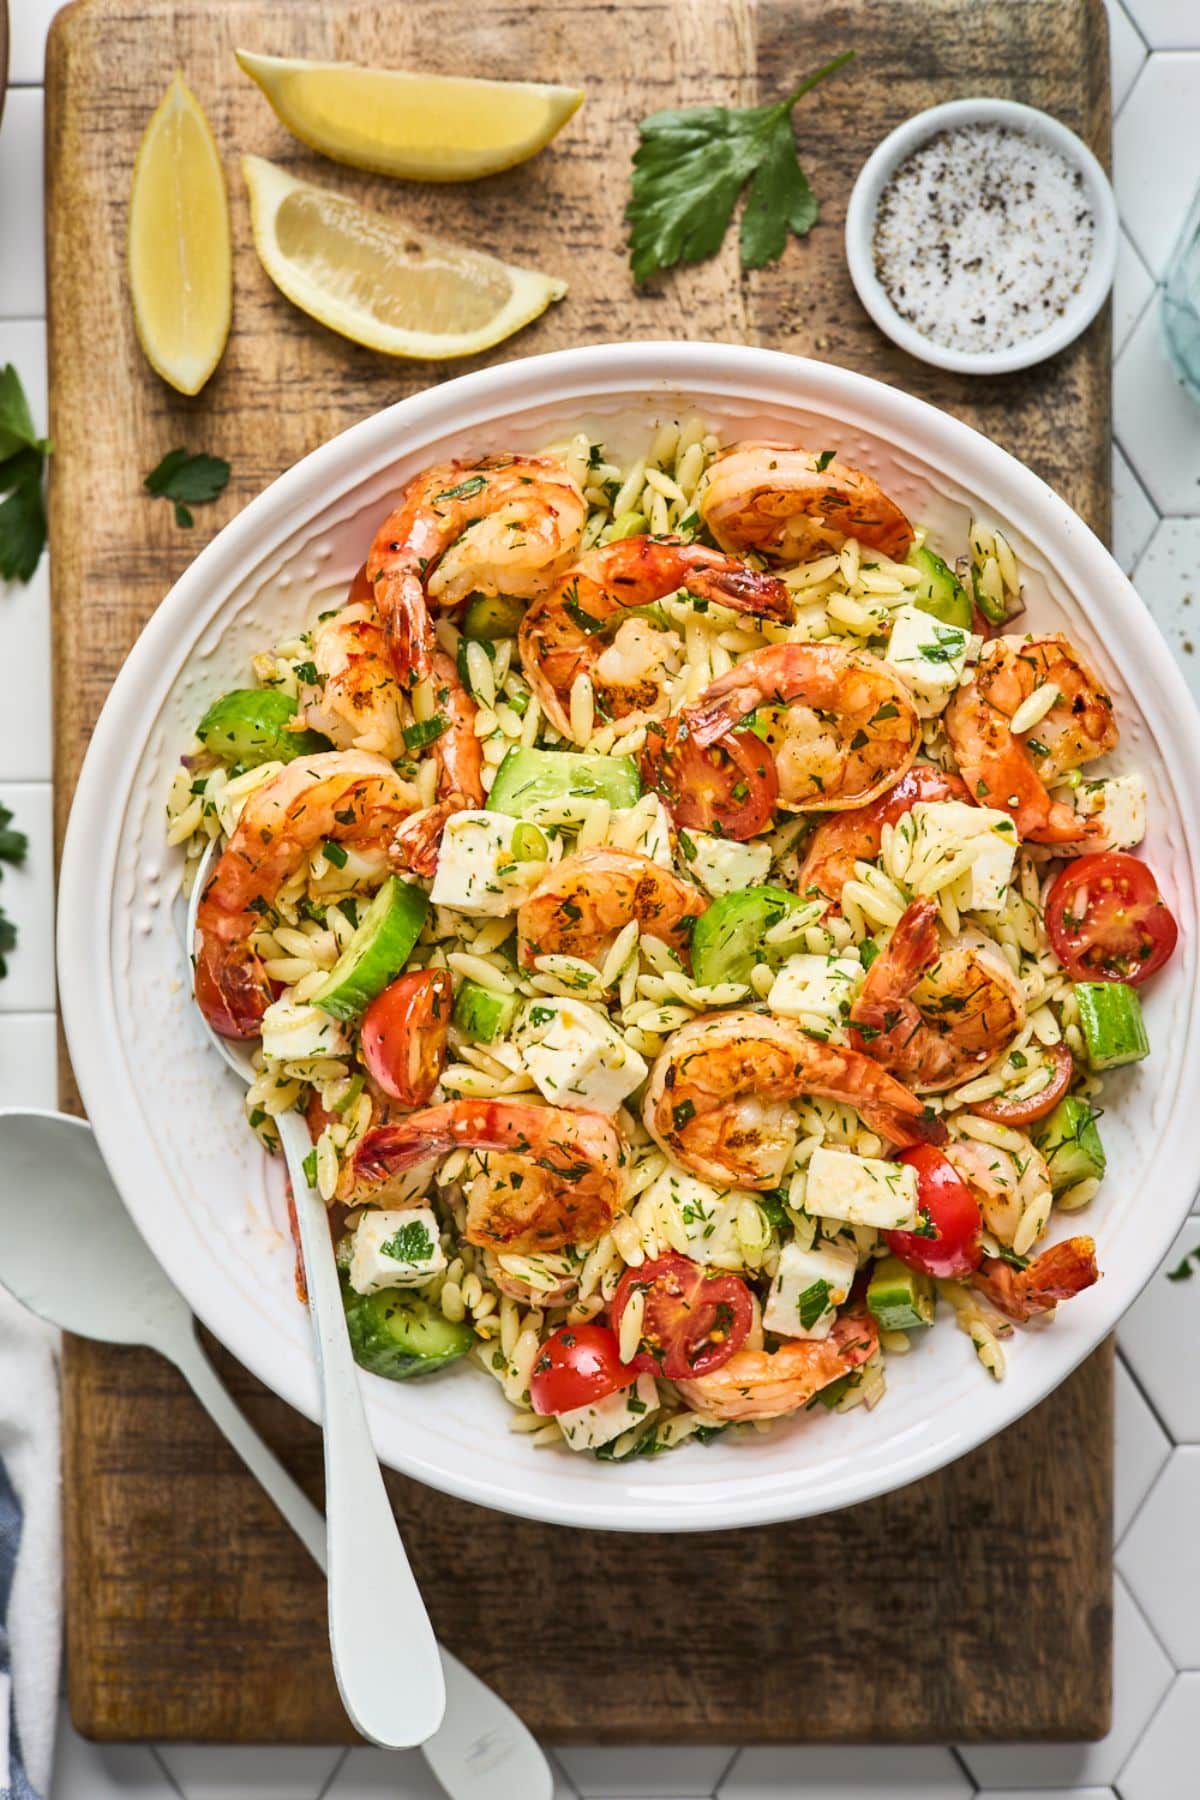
975 1605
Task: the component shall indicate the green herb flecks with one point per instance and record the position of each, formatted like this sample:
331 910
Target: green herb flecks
22 462
187 480
412 1243
13 845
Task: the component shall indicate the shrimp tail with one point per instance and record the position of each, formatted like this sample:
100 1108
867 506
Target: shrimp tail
409 627
903 1129
723 707
1057 1274
746 590
232 988
414 848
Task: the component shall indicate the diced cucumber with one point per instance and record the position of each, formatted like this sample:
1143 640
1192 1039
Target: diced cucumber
249 726
528 777
899 1298
1070 1143
1110 1016
727 940
481 1014
377 952
941 592
626 525
492 616
399 1336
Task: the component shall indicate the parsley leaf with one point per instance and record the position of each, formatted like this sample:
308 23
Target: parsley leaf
22 458
13 845
690 167
182 477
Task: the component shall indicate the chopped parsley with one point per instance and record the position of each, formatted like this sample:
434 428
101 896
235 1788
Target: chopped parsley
182 477
812 1303
412 1243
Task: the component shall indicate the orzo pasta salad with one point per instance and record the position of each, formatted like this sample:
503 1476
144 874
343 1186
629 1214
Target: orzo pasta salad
694 920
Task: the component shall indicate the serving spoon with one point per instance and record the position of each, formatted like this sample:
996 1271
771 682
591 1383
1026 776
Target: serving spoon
375 1605
58 1205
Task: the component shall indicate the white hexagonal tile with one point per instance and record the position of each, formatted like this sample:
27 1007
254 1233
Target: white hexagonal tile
1141 1448
1127 51
382 1775
86 1771
1167 576
1154 154
1160 1557
1156 419
29 22
1132 288
634 1772
27 896
1167 24
1163 1767
1141 1676
1134 518
1158 1338
849 1772
251 1771
1076 1793
28 1059
22 267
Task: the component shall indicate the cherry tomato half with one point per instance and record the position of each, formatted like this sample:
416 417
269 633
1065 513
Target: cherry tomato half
693 1321
1107 920
1004 1111
577 1364
731 785
404 1034
950 1244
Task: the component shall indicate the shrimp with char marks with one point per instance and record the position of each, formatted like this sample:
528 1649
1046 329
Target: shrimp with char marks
550 1177
563 634
1005 1182
459 757
1059 1273
760 1384
791 505
1009 770
846 730
935 1013
578 908
718 1096
356 701
857 835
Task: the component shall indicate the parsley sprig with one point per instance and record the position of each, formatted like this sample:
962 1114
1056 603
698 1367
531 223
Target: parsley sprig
692 164
22 459
13 845
187 480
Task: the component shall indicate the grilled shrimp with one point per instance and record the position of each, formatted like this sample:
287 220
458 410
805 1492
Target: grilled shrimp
358 703
1005 1182
758 1384
498 525
348 796
1057 1274
780 500
717 1099
934 1014
847 732
581 904
1008 770
560 635
459 757
551 1178
856 836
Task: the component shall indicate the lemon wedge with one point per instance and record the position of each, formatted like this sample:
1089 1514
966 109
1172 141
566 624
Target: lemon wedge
379 281
424 127
180 250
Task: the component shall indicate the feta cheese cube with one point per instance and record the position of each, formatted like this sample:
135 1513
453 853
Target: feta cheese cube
645 827
944 828
1120 802
722 866
397 1247
816 987
708 1217
861 1190
295 1033
928 655
808 1288
577 1057
476 870
588 1427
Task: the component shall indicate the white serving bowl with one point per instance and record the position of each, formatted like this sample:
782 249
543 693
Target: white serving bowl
882 164
169 1117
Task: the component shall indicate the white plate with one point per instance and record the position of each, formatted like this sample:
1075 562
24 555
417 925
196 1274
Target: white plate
169 1118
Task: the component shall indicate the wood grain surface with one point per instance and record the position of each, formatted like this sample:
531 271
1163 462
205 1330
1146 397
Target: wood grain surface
974 1605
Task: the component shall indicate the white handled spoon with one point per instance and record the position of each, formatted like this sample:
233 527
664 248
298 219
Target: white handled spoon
58 1205
374 1602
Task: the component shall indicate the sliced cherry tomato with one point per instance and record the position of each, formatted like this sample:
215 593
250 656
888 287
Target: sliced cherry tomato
404 1034
1004 1111
1108 921
730 786
949 1243
577 1365
693 1321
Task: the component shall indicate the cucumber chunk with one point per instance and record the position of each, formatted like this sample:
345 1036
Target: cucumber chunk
492 616
528 777
1070 1143
399 1336
481 1014
377 952
626 525
727 940
941 592
899 1298
1110 1015
249 726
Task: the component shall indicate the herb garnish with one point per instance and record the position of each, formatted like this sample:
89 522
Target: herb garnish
13 845
181 477
22 458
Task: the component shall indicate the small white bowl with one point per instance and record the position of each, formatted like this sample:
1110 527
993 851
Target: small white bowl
878 170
